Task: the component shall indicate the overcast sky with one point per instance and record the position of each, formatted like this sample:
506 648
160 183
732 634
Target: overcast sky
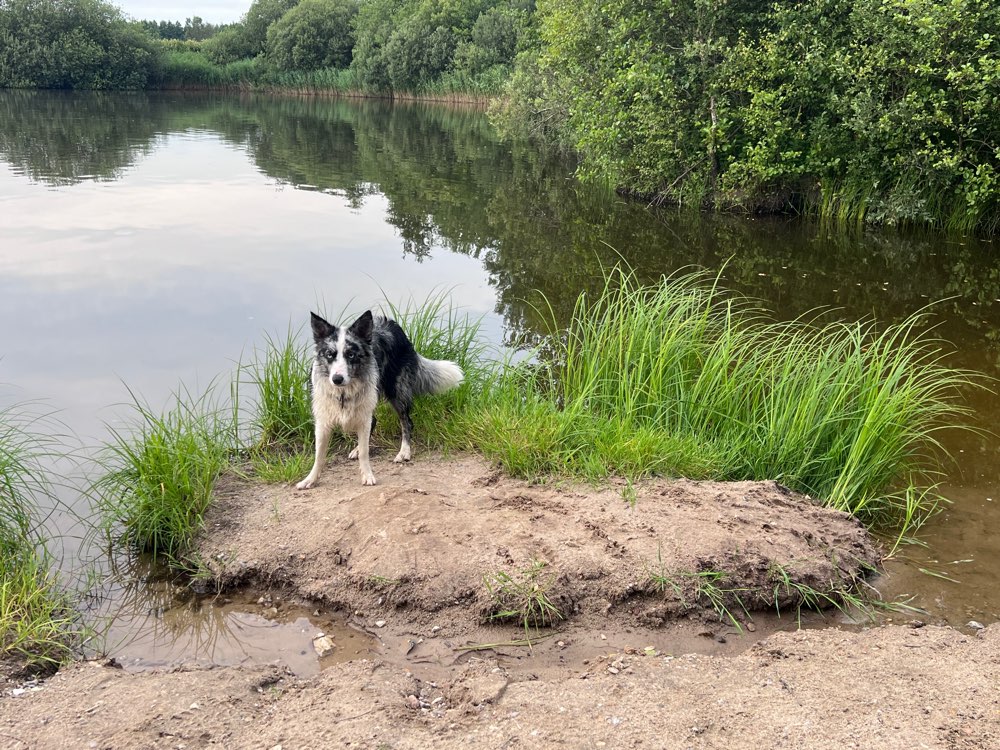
211 11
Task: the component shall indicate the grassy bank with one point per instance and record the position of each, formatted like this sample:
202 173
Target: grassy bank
675 379
187 69
37 624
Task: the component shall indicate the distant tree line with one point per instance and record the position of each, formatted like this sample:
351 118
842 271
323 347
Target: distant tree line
881 111
386 45
192 30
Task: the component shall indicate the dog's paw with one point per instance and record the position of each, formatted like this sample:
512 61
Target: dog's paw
403 455
353 455
367 479
305 484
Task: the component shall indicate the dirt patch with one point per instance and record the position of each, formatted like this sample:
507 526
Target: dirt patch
639 659
893 687
415 549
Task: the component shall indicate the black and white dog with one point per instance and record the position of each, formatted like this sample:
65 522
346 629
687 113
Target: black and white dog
355 365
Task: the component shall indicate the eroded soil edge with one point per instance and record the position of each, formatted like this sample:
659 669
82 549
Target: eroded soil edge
416 548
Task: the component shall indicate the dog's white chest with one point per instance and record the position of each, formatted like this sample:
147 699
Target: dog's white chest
350 407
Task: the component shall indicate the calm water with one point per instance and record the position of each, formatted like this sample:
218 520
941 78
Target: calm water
152 240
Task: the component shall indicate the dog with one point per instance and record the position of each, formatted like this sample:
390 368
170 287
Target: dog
353 368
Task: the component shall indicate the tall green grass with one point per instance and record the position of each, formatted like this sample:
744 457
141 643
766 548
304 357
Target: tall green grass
188 67
160 471
184 68
37 622
846 412
279 374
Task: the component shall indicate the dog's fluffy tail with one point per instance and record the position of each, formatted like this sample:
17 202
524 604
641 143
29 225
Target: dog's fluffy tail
437 375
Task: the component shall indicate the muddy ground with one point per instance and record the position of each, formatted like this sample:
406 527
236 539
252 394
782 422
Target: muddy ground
652 645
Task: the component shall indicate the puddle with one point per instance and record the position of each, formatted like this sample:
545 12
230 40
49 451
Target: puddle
171 628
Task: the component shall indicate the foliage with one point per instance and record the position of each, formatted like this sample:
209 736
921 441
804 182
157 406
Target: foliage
314 34
36 620
72 44
229 45
248 38
404 45
867 111
193 29
257 21
160 472
902 130
163 29
522 597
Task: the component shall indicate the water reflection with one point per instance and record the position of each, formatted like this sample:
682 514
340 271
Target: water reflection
166 232
150 621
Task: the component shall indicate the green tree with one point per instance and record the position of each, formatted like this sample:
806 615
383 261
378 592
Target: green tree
229 45
885 111
196 30
249 37
258 19
405 44
496 37
314 34
84 44
859 109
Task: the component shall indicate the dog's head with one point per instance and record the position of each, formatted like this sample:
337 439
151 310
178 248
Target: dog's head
343 354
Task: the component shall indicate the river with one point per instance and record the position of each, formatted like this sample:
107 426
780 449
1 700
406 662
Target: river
149 240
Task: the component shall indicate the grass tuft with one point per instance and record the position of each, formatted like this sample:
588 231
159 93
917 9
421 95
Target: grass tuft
522 597
160 472
37 622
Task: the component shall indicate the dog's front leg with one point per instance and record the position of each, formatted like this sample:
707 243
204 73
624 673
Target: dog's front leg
353 455
322 444
367 478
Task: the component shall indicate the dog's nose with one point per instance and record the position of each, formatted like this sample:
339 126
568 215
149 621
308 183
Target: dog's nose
337 379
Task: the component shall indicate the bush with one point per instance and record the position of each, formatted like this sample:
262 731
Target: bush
862 110
78 44
315 34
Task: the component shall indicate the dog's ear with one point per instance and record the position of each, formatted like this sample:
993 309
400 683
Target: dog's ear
362 327
321 329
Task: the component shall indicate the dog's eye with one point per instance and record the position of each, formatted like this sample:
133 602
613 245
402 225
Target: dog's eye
329 356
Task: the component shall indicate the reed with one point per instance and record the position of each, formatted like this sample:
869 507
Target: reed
846 412
279 375
160 470
37 621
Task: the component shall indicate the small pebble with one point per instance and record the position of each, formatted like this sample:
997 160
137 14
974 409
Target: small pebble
380 623
974 625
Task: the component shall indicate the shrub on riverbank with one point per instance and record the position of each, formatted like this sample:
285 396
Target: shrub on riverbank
36 620
73 44
861 111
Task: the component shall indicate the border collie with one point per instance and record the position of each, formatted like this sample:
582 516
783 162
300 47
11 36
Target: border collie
354 366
